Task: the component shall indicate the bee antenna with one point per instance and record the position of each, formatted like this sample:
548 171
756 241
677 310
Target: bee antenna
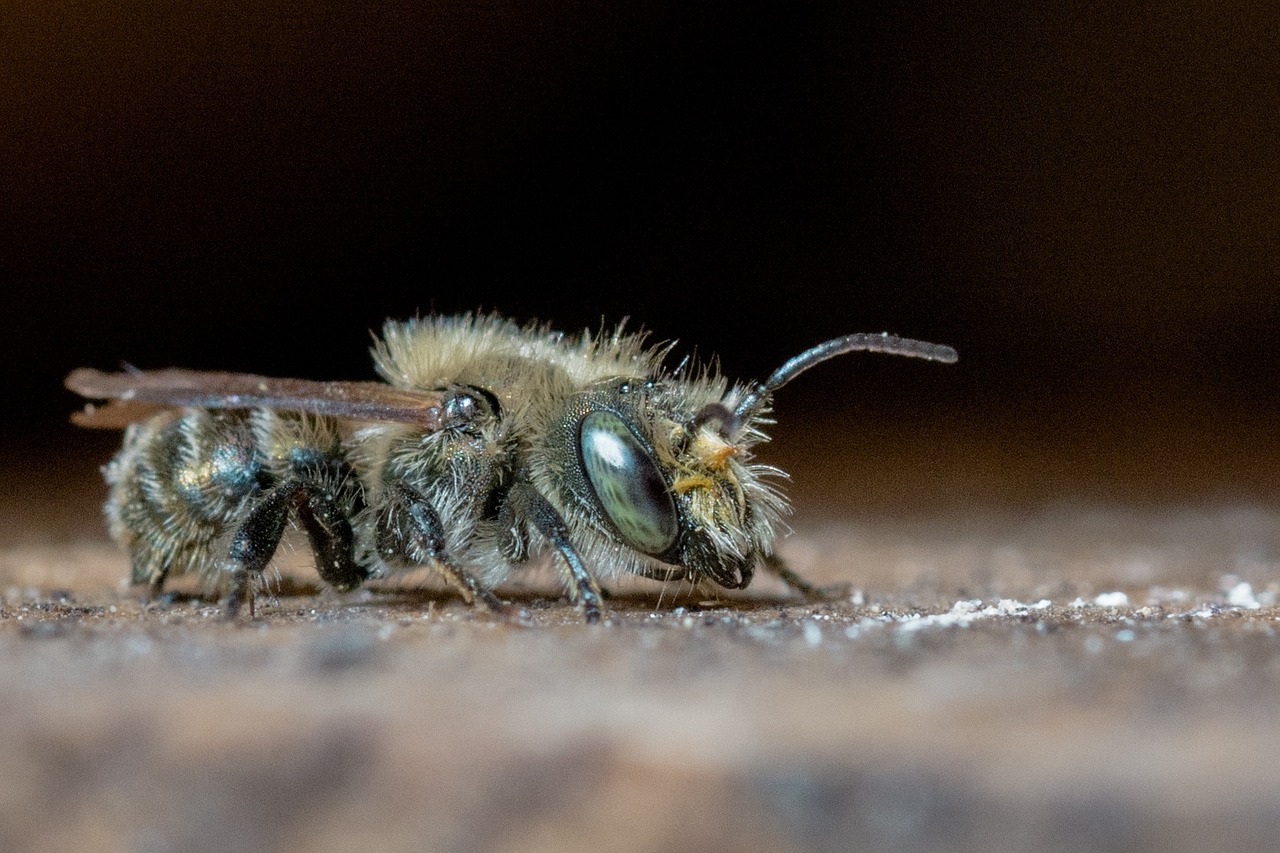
714 412
860 342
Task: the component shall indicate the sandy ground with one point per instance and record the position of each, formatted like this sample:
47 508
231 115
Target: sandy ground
1086 678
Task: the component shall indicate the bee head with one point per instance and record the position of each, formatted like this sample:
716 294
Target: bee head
732 508
671 495
645 491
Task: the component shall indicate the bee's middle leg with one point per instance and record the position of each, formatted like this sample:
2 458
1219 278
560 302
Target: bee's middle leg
410 526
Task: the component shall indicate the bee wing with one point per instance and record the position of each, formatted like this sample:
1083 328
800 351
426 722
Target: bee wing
134 395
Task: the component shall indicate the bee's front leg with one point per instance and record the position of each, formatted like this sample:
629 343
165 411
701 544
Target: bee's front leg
808 590
527 502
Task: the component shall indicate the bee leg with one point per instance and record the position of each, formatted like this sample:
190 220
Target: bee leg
422 541
254 544
332 540
809 591
152 581
240 591
328 530
154 596
471 586
528 502
148 570
514 539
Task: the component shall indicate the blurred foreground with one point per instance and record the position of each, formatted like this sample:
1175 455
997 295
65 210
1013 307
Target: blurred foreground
1077 679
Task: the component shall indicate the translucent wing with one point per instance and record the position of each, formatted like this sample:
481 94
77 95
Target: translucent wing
134 395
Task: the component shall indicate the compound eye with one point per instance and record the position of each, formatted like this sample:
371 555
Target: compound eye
627 483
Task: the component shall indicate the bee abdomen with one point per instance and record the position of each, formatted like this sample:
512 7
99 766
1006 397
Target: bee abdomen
176 485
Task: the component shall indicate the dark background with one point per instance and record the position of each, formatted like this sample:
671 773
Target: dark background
1082 199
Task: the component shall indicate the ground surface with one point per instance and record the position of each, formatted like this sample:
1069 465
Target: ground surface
1088 677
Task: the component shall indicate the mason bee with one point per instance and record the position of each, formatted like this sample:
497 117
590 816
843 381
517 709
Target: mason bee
486 443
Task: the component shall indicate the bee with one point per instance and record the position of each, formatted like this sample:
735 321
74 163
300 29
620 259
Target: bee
486 444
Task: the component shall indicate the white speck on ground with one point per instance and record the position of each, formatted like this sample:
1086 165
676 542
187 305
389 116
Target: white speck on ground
812 633
1241 595
962 614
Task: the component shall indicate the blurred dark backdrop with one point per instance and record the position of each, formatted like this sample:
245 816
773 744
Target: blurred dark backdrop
1083 199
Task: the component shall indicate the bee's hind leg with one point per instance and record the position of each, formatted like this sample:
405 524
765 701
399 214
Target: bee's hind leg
151 580
809 591
256 539
331 537
240 591
254 544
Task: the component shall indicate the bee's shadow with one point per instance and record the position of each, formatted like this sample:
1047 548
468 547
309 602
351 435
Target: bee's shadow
627 601
285 588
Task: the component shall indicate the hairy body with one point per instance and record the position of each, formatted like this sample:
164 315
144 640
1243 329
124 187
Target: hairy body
489 442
